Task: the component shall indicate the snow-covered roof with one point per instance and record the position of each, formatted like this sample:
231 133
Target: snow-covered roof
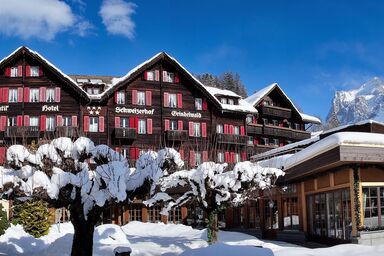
218 91
275 162
354 124
255 98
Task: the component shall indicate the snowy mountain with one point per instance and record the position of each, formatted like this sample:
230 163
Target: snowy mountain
365 102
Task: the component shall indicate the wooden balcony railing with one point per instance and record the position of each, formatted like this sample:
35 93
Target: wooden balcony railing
22 132
66 131
300 135
176 135
125 133
276 111
286 132
231 139
255 129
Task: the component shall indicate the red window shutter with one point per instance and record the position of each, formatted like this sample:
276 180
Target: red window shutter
180 125
256 141
43 91
3 151
205 104
8 72
20 94
190 124
192 160
3 123
148 98
101 124
205 156
1 95
86 124
226 155
179 100
166 124
181 152
19 121
204 130
244 156
165 76
57 94
27 70
74 121
136 122
137 153
5 95
43 122
166 99
231 129
59 120
132 122
242 130
157 75
115 97
40 71
149 126
26 94
225 129
132 153
232 157
134 97
145 75
282 142
20 70
26 120
117 122
177 80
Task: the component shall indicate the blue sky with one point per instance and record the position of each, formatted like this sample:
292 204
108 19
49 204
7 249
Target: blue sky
311 48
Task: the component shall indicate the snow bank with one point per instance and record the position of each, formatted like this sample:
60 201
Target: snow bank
228 250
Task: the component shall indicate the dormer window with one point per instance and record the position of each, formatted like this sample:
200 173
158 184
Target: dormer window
92 90
231 102
223 100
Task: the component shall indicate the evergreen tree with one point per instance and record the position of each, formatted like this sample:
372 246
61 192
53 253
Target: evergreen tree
227 80
4 224
33 216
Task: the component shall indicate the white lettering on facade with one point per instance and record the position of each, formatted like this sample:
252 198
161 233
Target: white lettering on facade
47 108
135 111
185 114
4 108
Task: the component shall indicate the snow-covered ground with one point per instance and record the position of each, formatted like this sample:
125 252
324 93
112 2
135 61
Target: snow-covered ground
163 239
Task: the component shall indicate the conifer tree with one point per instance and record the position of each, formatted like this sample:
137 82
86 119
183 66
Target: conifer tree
4 224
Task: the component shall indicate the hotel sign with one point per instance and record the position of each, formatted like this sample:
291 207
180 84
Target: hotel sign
4 108
47 108
135 111
185 114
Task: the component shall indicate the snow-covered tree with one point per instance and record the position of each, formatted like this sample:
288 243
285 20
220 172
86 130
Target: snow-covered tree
80 176
213 188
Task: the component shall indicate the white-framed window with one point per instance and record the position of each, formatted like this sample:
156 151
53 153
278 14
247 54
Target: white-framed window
173 125
289 124
34 121
92 90
237 157
96 90
249 119
12 95
50 95
231 102
141 98
67 121
120 97
168 77
220 157
276 142
150 75
265 141
219 128
50 123
172 100
265 121
196 130
93 124
124 122
236 130
34 95
297 126
223 100
275 122
198 103
142 126
14 71
124 152
266 103
198 158
34 71
12 121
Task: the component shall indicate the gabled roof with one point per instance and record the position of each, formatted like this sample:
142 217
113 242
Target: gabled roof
256 98
47 64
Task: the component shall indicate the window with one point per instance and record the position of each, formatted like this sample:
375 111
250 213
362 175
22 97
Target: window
120 97
266 103
93 124
50 123
168 77
173 125
150 75
223 100
172 100
196 130
373 205
265 121
219 128
236 130
198 103
291 213
124 122
249 119
220 157
92 91
96 90
265 141
154 214
34 121
237 157
12 95
142 126
34 95
14 71
297 126
67 121
276 142
197 158
231 102
34 71
12 121
50 95
289 125
275 122
135 212
140 98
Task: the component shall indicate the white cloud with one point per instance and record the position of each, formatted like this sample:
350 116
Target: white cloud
42 19
117 17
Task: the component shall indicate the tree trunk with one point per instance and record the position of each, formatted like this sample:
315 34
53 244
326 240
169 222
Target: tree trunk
82 244
212 227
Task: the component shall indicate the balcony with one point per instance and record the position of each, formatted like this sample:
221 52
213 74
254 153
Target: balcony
276 111
66 131
300 135
176 135
255 129
231 139
125 133
22 132
277 131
